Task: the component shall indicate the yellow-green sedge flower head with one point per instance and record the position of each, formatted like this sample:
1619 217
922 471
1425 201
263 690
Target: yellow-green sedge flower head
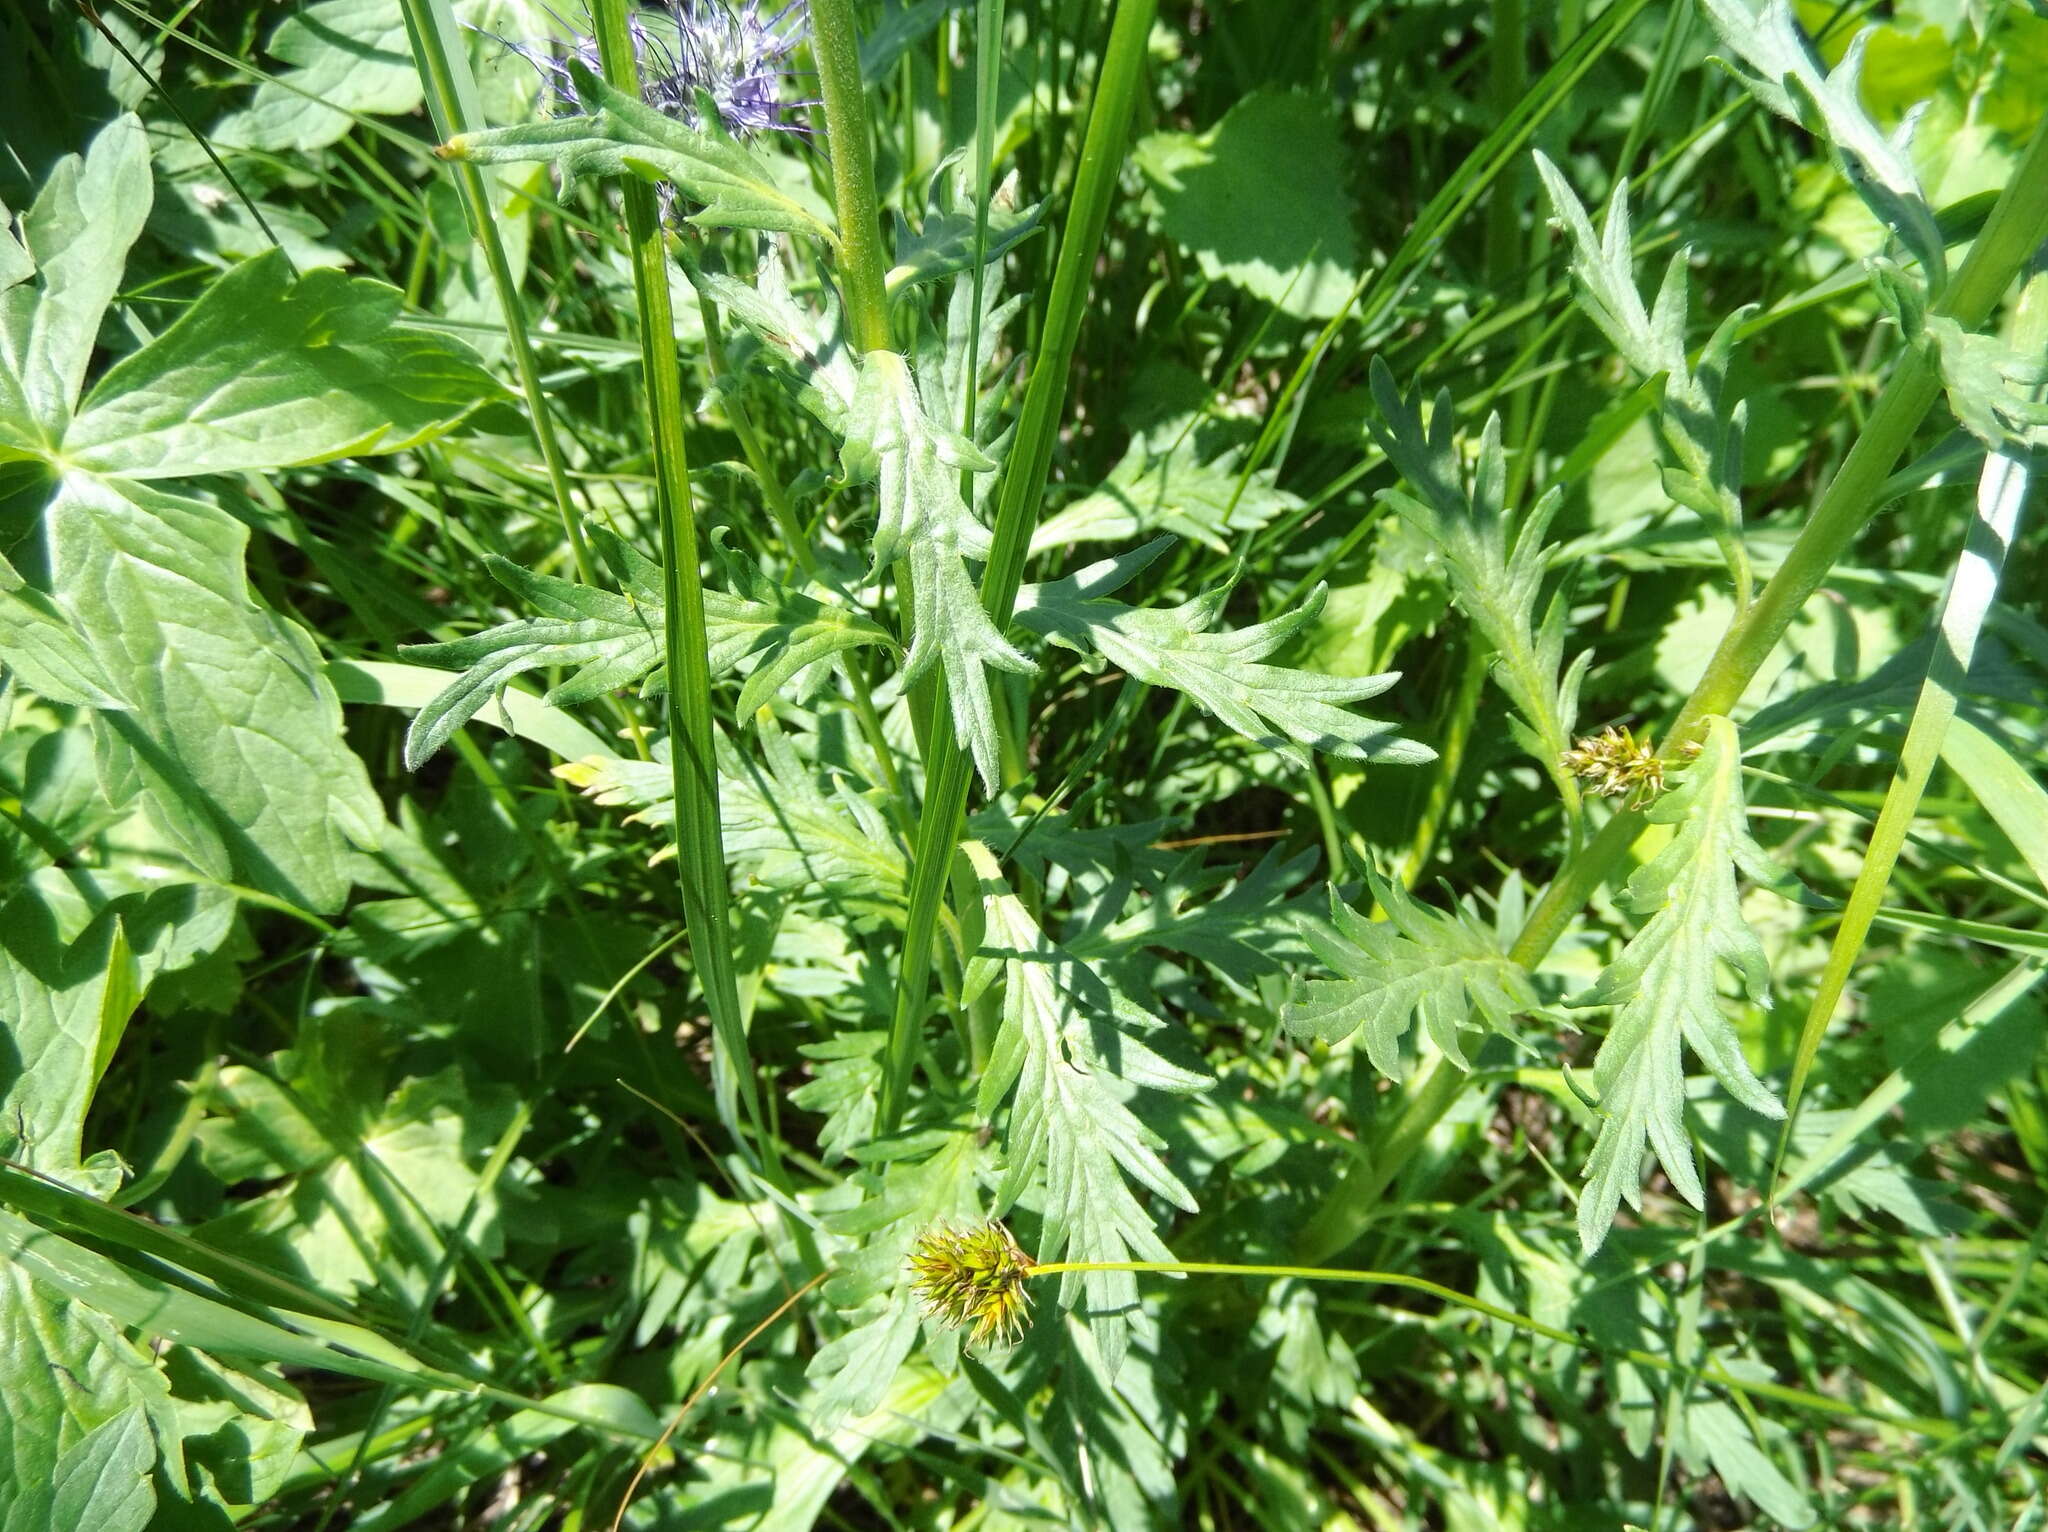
1615 764
974 1280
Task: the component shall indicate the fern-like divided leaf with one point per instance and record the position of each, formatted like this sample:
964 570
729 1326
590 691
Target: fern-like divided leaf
896 437
614 639
1445 968
1664 985
1497 579
783 825
1776 65
1070 1045
1699 437
735 185
1287 710
808 345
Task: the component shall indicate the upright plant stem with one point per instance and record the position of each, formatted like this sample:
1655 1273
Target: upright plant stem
700 848
2017 226
837 50
947 768
452 102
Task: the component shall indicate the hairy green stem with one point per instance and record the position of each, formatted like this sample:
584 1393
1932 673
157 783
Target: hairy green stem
836 48
1939 1429
2016 228
947 768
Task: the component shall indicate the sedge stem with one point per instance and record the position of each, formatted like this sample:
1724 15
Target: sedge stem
1783 1393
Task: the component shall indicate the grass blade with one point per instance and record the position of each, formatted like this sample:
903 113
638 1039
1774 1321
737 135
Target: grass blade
452 101
700 849
1973 585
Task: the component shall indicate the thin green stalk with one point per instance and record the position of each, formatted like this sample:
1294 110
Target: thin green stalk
2016 228
861 263
1030 459
700 849
1349 1207
1972 586
1821 1403
454 106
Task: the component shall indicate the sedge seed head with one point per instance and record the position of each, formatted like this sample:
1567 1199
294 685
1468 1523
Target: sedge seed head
1615 764
973 1279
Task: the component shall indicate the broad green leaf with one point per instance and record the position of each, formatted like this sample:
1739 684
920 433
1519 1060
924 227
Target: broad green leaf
1071 1048
895 436
614 639
45 650
1283 709
265 371
1496 579
227 717
76 236
1665 987
1162 485
345 57
1443 967
75 1448
351 58
102 1482
369 1190
1260 200
733 185
76 953
16 264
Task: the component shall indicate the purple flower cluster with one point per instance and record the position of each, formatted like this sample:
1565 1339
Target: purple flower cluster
687 49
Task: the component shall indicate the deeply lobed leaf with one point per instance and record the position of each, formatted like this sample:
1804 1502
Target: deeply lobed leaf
1665 987
1442 968
1286 710
1071 1047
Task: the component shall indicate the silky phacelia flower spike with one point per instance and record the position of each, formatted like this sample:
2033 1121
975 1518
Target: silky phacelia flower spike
730 52
973 1279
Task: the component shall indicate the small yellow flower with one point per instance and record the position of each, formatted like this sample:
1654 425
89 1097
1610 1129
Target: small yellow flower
973 1278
